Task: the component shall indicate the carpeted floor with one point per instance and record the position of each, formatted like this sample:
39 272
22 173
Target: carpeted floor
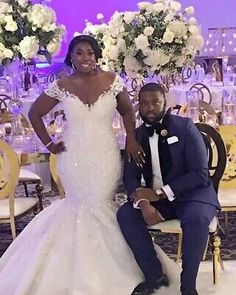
168 242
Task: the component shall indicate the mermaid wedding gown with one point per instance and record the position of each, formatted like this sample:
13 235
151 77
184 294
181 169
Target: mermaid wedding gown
74 246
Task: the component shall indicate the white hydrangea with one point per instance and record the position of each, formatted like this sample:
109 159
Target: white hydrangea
189 10
158 7
5 7
141 42
113 52
148 31
168 37
143 5
132 66
29 47
121 44
41 16
196 41
5 52
156 58
178 27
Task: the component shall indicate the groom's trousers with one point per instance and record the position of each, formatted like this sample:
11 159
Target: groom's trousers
195 218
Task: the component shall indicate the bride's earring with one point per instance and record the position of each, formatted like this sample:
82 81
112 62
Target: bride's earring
72 65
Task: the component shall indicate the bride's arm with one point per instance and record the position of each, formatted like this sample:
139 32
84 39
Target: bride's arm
41 107
125 108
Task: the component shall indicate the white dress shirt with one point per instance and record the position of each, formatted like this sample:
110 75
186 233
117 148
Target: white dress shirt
156 169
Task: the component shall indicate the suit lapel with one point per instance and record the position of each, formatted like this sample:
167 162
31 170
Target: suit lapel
165 158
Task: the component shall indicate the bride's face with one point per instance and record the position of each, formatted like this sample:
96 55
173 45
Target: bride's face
83 57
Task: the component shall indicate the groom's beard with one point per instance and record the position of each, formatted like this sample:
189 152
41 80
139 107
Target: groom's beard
158 118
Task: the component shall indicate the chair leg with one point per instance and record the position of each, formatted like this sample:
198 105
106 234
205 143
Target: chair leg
179 250
205 252
226 223
39 190
13 227
26 189
216 254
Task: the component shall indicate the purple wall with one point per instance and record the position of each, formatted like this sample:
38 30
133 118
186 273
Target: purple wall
73 13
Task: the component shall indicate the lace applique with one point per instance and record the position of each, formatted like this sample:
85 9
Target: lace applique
118 85
54 91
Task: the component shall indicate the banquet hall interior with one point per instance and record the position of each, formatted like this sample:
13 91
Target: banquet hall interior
194 61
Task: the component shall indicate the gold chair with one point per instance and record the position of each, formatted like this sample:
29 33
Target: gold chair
212 139
11 207
55 176
227 187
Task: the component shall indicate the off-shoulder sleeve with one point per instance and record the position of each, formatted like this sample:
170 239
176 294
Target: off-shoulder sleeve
54 91
118 85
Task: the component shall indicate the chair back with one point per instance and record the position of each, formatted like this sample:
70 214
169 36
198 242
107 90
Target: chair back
228 133
203 91
9 170
216 152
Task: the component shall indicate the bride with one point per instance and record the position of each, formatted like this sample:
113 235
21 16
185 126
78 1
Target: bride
74 246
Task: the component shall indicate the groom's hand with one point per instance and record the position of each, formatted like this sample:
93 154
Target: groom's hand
150 215
145 193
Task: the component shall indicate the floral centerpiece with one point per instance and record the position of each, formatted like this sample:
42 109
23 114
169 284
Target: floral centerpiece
28 30
159 37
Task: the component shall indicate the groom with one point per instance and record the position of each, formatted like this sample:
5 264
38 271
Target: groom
177 185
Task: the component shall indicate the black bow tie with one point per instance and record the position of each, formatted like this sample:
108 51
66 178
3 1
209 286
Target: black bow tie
151 129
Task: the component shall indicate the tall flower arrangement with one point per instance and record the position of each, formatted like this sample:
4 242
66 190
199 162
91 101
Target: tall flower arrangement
28 30
159 37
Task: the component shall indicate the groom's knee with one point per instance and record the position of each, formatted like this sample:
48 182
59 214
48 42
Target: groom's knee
125 213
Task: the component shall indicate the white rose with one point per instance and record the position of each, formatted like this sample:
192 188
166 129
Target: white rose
29 47
168 37
141 42
148 31
129 16
192 21
194 30
49 27
11 26
8 53
53 47
189 10
176 6
143 5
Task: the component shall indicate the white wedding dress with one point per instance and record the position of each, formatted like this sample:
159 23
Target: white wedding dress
74 246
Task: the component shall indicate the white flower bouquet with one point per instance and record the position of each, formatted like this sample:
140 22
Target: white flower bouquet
158 38
28 30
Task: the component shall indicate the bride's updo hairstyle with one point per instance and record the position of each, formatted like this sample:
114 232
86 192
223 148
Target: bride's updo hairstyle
83 39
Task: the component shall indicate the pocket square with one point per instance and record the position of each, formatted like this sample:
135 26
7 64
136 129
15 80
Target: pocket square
172 139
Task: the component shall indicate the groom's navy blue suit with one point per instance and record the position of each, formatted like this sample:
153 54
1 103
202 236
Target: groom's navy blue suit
184 167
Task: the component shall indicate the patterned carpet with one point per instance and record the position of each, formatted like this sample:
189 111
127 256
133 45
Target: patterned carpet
168 242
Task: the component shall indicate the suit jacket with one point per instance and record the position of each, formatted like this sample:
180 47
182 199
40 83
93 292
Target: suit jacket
185 169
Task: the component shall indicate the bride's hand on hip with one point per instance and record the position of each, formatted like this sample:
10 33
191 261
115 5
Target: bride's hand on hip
134 150
57 148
